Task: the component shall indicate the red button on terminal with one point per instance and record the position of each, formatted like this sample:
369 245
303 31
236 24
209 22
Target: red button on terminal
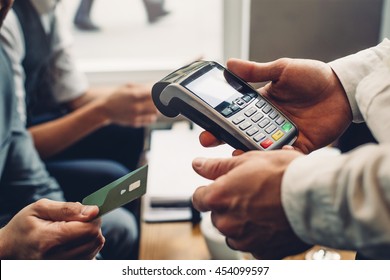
266 143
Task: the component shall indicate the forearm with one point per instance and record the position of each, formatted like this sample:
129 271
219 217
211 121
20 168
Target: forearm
341 201
4 249
89 96
55 136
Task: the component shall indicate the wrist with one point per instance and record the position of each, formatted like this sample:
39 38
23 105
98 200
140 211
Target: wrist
345 100
5 250
100 112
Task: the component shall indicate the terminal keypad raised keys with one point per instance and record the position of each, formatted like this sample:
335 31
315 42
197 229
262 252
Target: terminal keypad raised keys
259 120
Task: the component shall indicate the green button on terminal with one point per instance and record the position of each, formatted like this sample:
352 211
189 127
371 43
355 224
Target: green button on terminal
287 127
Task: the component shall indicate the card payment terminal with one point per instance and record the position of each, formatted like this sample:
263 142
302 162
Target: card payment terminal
220 102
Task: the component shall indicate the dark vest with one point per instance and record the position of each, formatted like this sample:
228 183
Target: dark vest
37 64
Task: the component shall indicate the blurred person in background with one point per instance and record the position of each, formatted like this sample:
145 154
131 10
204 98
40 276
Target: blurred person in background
82 20
87 137
34 222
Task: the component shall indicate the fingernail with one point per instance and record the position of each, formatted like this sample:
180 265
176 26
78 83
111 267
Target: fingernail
198 162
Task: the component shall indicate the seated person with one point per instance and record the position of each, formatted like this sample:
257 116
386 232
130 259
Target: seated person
24 180
86 137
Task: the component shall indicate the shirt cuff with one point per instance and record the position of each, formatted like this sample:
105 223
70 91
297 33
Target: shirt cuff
352 69
307 199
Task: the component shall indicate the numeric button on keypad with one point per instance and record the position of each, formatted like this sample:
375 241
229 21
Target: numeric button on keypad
252 131
259 137
279 120
264 122
257 117
250 111
260 104
238 120
267 109
273 115
270 129
245 125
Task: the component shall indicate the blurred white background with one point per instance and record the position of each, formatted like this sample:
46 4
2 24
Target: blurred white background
126 40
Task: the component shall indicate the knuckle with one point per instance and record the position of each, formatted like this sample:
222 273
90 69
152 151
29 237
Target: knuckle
213 200
242 245
41 203
70 209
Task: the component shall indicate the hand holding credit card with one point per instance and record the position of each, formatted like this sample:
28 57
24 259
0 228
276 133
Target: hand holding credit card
119 192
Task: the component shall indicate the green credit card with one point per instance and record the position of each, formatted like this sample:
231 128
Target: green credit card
119 192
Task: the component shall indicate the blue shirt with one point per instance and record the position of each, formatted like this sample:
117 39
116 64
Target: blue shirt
23 177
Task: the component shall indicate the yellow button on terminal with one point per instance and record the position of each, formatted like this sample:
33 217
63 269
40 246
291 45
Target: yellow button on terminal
277 135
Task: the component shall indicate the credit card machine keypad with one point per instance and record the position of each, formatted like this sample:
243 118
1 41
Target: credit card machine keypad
258 119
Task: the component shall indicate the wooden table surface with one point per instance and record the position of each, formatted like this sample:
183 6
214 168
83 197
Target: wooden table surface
182 241
172 241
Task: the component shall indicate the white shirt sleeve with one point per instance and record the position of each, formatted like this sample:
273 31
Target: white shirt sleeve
343 201
69 83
